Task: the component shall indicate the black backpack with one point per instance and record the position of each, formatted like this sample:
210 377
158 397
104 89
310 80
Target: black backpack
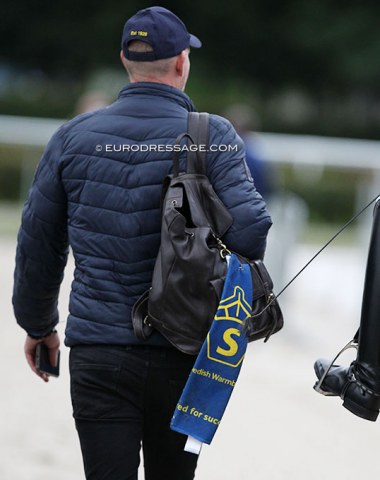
190 268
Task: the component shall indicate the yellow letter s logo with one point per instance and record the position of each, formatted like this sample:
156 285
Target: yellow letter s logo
227 338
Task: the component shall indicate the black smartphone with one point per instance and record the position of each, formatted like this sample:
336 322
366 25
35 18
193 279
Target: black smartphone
43 363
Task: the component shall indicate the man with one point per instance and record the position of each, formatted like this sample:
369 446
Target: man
246 122
98 188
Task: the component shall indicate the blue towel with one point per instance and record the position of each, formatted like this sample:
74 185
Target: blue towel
216 369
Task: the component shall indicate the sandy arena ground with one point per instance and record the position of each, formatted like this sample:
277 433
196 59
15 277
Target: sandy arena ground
275 427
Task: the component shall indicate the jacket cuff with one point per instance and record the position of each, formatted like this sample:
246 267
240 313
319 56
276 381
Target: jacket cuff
39 336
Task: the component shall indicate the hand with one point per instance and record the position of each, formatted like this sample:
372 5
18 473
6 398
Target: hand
52 342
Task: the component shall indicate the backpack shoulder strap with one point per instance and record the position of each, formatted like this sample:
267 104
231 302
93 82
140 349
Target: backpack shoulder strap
198 127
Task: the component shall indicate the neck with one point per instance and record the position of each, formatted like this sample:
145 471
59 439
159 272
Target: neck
151 78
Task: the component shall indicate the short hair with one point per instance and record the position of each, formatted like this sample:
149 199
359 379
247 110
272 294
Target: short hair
155 67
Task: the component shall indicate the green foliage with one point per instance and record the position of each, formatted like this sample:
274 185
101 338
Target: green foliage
10 174
17 166
316 43
330 198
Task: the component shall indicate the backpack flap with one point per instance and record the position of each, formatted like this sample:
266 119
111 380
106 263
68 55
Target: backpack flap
201 206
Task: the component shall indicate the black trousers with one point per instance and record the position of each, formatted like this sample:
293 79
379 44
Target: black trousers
124 397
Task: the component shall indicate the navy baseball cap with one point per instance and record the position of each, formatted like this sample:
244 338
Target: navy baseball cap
162 30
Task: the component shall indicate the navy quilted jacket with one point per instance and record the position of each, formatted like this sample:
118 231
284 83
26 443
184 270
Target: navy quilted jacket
96 191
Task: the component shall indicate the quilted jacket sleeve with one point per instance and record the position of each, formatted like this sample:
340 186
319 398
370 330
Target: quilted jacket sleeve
42 246
232 181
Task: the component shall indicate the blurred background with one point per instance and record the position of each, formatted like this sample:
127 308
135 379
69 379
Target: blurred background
301 83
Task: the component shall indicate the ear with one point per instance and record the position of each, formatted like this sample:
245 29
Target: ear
122 58
180 63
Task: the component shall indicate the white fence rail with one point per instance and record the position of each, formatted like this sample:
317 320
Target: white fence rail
279 148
